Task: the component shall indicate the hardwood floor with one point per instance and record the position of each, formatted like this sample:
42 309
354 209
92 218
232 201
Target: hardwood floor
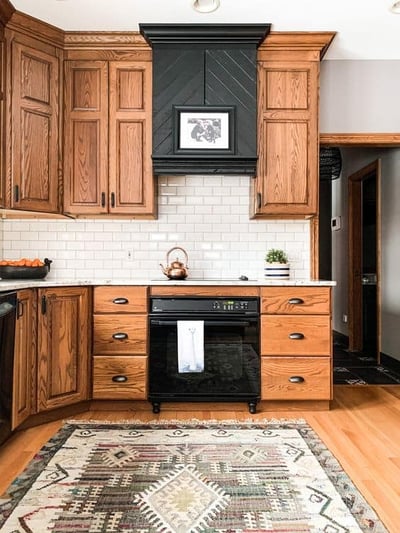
362 429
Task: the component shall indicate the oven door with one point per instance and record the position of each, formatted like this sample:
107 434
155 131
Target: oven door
228 368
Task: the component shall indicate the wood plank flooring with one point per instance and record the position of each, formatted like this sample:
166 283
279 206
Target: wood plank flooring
362 429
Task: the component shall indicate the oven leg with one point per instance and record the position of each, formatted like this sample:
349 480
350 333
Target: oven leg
252 407
156 407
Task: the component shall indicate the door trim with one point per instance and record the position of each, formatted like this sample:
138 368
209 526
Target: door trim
355 182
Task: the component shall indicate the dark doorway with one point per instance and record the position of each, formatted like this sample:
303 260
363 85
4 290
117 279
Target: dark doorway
364 261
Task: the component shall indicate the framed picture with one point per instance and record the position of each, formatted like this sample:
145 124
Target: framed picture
204 129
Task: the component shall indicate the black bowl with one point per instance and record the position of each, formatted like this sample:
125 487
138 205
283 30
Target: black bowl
25 272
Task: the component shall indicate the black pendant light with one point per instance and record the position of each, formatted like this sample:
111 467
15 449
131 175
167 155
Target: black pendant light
330 163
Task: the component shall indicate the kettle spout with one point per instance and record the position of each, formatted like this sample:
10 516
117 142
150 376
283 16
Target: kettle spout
164 270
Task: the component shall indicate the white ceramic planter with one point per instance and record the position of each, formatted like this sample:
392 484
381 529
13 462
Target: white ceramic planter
277 271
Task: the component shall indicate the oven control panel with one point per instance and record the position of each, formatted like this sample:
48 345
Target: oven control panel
204 305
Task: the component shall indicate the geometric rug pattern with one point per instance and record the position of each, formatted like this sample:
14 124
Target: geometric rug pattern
214 477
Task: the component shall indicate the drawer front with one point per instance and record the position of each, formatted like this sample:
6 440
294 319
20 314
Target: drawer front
119 378
296 378
120 299
296 335
296 300
120 334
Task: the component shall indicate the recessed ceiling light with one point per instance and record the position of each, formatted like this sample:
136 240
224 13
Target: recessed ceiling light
205 6
395 8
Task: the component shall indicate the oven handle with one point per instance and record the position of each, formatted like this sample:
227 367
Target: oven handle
206 323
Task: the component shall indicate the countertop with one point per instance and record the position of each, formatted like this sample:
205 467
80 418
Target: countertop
7 285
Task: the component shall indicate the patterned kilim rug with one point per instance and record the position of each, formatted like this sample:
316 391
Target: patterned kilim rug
185 477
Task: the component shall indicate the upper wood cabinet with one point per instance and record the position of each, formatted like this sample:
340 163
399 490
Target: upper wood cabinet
33 126
286 185
107 151
63 346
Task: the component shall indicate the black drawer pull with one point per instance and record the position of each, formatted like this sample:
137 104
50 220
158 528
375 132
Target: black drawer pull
296 301
120 301
296 336
120 336
119 379
296 379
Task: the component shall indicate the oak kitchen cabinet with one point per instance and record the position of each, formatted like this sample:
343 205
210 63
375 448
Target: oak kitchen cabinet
120 343
107 150
286 184
32 181
24 380
63 351
296 343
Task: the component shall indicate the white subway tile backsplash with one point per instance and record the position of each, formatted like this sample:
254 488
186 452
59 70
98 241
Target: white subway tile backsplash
206 215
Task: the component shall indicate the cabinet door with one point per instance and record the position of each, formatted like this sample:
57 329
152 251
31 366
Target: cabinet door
34 129
287 173
63 346
2 115
24 390
86 137
130 164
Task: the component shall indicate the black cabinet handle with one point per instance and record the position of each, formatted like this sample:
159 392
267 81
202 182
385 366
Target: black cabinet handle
296 379
296 301
119 379
44 305
16 193
258 200
120 336
112 199
120 301
20 308
296 336
103 199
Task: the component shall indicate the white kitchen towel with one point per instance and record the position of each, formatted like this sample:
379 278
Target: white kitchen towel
190 346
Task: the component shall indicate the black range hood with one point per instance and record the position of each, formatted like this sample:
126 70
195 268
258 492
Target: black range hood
204 97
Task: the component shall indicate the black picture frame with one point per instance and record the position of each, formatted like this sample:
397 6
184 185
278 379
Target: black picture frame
204 130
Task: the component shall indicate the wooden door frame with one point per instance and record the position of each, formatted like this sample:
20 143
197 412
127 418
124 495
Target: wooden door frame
355 267
350 140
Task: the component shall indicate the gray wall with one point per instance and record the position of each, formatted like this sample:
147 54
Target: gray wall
360 96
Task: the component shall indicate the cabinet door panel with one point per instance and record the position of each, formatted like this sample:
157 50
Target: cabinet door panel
24 401
86 137
131 175
296 300
34 129
63 347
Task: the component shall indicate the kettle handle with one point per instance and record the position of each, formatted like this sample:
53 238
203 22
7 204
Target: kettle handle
177 248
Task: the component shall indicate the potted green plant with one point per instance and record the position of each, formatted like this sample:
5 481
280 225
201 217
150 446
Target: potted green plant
276 264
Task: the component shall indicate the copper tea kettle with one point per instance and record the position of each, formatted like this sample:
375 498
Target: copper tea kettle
177 269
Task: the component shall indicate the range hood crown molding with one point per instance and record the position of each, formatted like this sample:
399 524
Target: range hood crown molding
202 68
205 33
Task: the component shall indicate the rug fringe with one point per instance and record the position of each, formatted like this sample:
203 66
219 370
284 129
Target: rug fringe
189 421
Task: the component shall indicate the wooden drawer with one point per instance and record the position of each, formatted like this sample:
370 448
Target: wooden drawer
296 300
132 329
119 378
314 383
296 335
120 299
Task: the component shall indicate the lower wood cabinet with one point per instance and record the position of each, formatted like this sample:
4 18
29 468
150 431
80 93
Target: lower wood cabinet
24 375
120 343
63 347
296 343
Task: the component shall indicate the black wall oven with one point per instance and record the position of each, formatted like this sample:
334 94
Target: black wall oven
204 349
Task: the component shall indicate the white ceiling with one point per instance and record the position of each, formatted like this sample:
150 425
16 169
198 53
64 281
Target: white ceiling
366 29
